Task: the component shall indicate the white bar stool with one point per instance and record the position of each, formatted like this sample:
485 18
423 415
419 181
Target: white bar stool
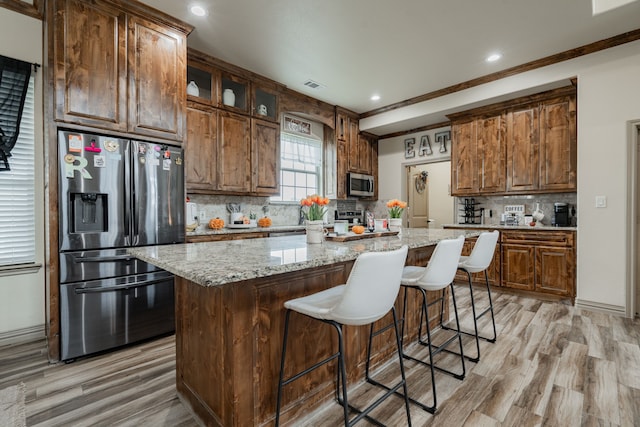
478 261
436 276
369 294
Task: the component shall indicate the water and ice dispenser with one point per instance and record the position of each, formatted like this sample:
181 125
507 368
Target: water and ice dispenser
88 212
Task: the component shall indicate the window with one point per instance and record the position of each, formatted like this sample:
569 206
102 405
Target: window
300 167
17 186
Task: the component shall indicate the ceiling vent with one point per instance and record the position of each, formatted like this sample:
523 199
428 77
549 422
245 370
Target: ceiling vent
313 85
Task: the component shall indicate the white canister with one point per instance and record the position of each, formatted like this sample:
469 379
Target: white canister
236 216
193 89
340 227
229 98
380 225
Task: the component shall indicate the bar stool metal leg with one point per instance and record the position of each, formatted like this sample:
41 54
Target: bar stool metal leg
476 317
403 381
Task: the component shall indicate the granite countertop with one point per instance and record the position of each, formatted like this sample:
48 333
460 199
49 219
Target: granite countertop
204 231
510 227
219 263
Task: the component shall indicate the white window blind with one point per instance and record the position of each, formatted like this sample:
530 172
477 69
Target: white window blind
17 207
300 167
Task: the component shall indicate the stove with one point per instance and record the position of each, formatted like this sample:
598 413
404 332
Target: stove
354 216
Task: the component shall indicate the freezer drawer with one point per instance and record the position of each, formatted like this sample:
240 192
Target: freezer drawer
105 314
84 266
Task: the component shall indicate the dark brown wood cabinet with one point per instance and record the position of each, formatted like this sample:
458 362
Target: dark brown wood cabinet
542 147
541 261
523 146
518 266
117 70
201 148
265 157
90 64
234 153
356 152
342 169
246 157
464 177
530 260
558 144
157 80
490 133
522 149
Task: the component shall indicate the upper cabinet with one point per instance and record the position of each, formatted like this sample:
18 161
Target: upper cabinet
212 82
490 134
464 172
525 146
157 80
478 158
356 152
233 130
558 144
119 69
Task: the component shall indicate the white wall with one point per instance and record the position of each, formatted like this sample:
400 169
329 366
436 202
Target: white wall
608 99
391 162
22 297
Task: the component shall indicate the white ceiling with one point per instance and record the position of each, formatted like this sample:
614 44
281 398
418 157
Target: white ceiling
397 49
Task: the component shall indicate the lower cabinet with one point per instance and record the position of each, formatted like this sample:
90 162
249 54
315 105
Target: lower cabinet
539 261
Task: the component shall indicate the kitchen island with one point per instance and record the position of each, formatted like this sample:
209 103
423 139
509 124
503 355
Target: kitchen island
230 318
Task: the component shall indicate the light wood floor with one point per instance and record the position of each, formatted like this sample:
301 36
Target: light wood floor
553 365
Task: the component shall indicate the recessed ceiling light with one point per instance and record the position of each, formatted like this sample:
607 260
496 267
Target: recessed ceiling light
198 10
375 97
493 57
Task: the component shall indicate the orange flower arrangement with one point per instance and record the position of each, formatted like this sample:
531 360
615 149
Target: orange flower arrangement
396 207
316 205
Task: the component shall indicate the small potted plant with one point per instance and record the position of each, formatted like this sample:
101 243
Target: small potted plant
314 216
396 207
253 219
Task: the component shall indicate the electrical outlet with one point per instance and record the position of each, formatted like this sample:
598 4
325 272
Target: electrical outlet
601 201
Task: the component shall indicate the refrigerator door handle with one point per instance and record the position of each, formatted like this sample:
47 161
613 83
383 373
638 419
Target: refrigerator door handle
119 287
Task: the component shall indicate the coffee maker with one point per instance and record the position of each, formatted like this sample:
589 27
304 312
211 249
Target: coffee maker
561 215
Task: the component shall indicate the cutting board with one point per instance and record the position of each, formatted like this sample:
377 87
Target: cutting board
353 236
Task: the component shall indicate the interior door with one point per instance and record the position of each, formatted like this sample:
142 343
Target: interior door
418 196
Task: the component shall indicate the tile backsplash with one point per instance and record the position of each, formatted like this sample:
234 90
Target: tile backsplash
281 214
288 214
496 205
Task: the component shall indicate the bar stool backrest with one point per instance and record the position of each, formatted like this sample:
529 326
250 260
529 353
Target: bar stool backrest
482 252
372 287
443 264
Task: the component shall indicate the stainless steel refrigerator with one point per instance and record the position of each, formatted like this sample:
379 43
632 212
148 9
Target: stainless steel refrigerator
113 194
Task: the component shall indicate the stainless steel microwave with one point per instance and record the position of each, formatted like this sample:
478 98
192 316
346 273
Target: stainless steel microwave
360 185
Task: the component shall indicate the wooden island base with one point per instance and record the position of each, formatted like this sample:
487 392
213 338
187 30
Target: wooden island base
229 338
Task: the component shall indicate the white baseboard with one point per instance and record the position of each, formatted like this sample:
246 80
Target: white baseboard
33 333
616 310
